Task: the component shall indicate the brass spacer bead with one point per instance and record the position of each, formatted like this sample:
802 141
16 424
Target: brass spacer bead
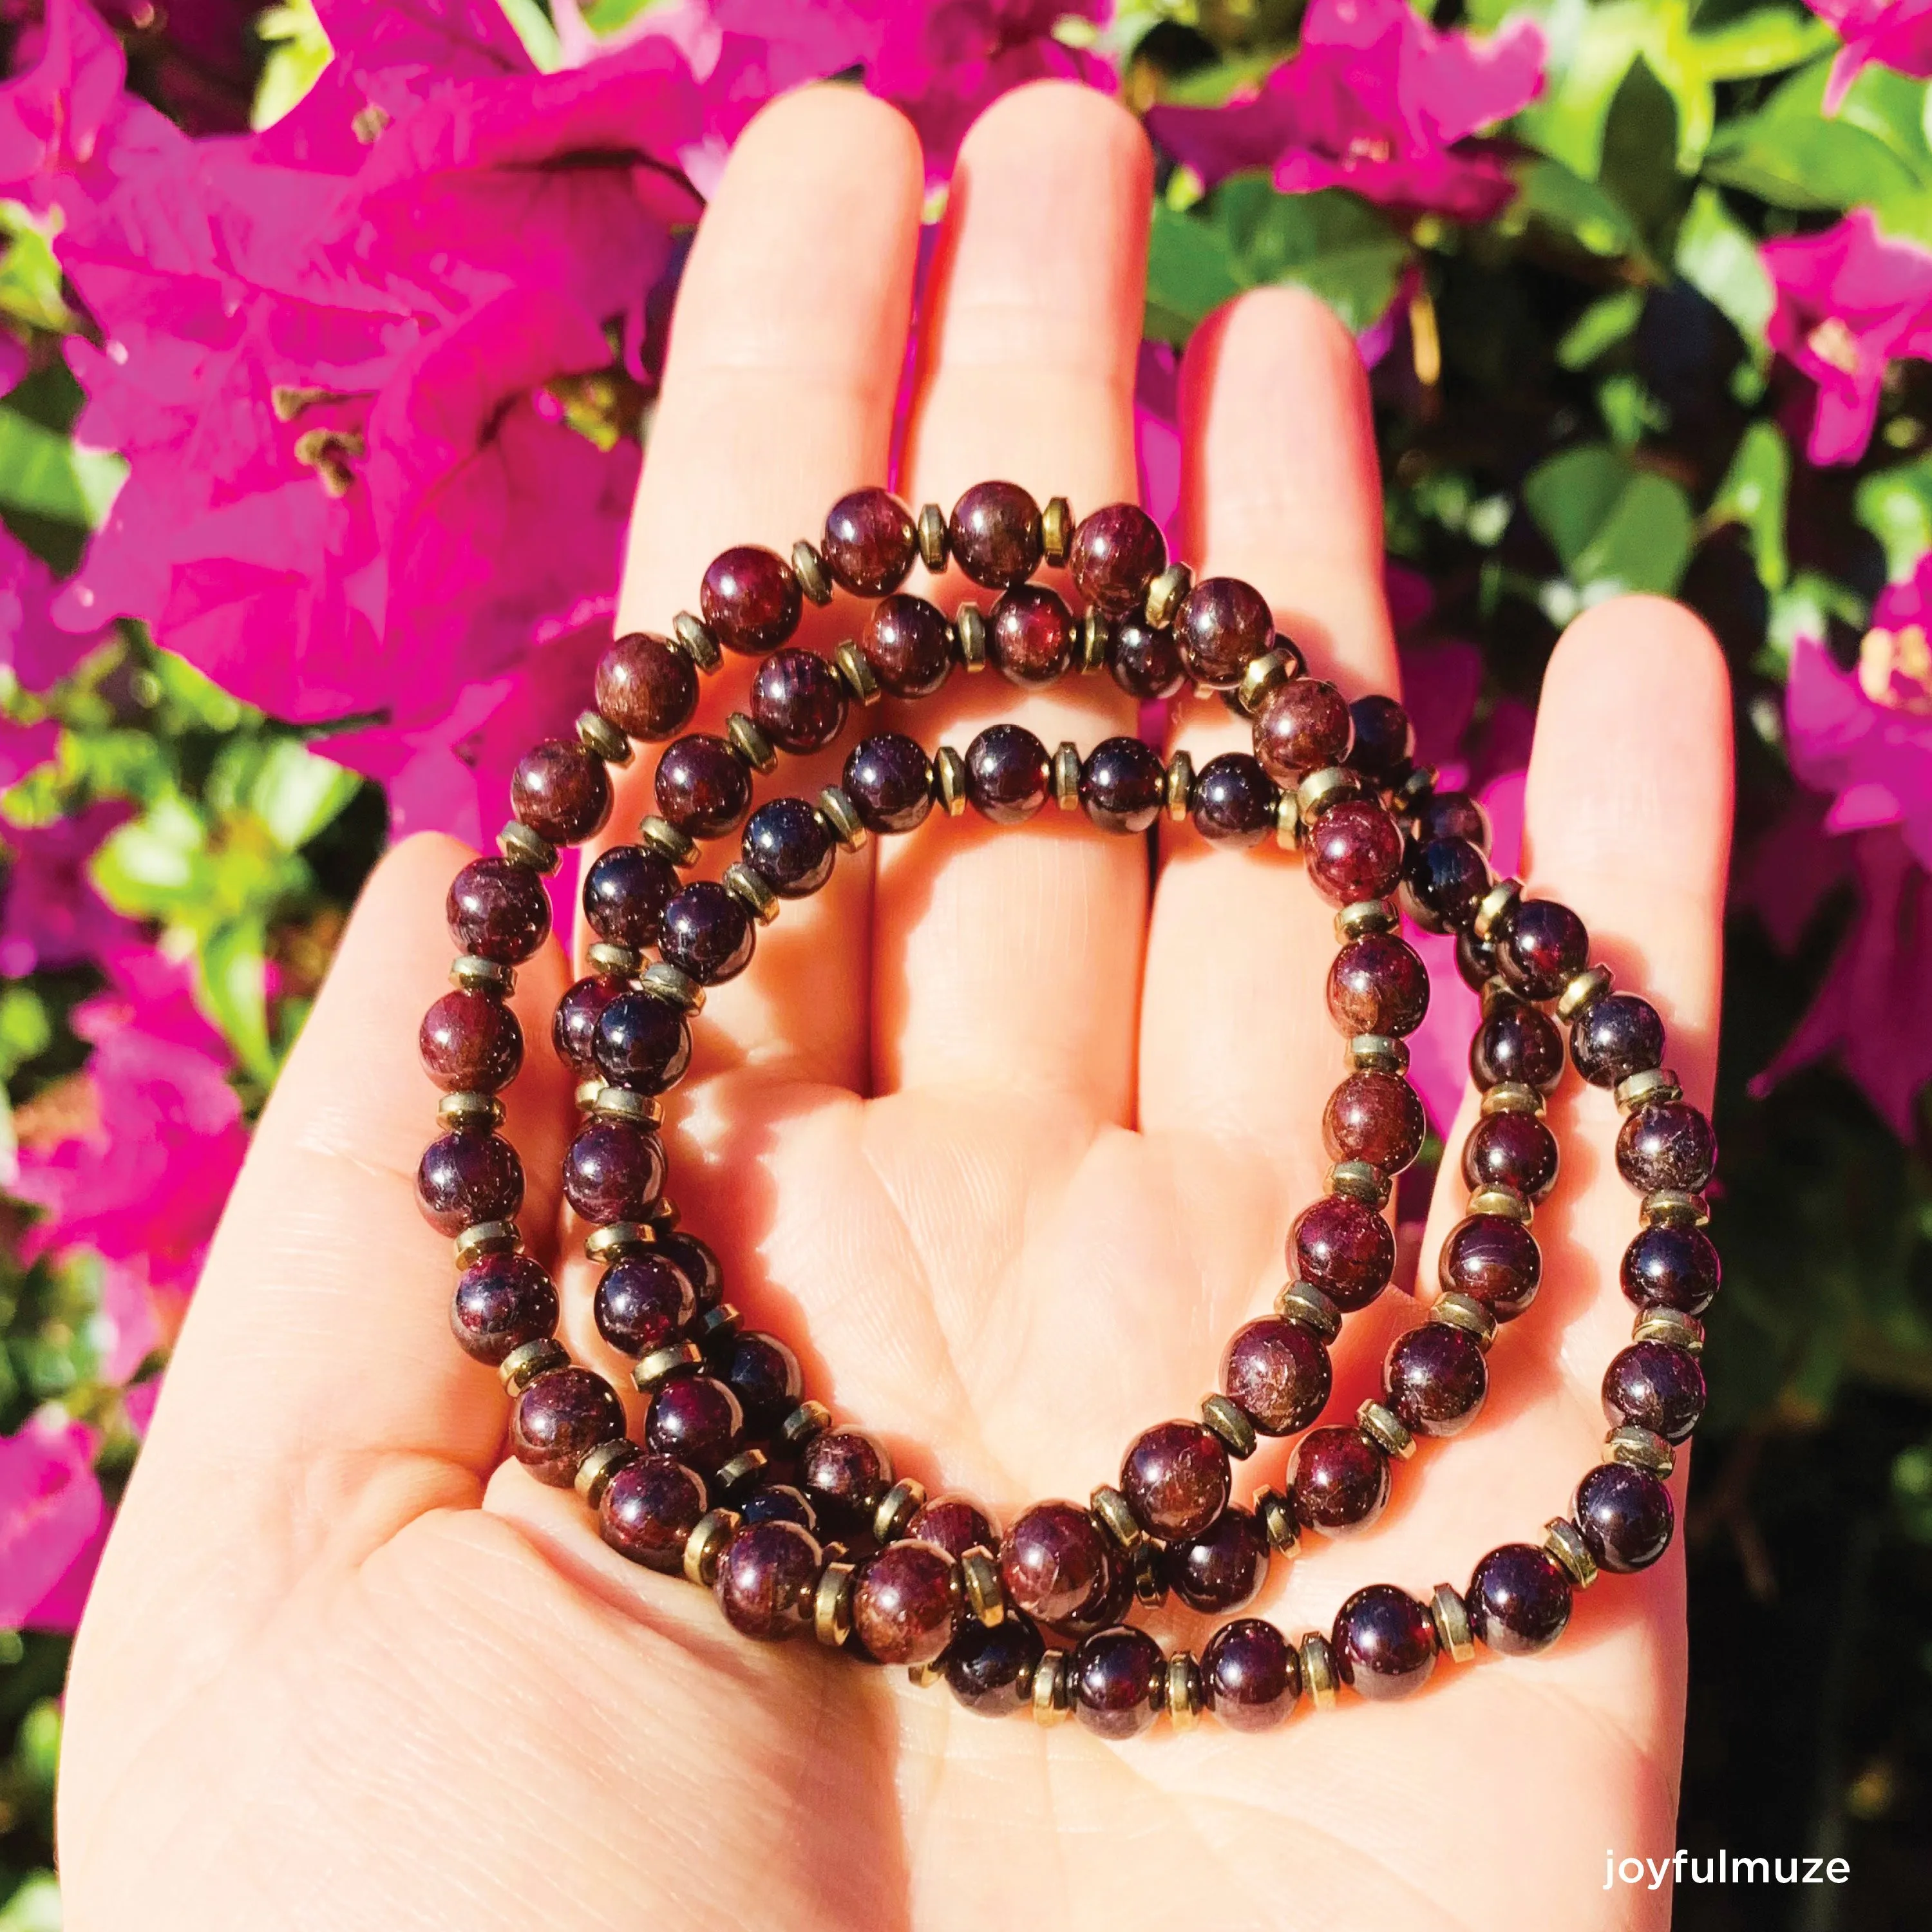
715 1323
608 956
661 1364
743 1472
1671 1326
1149 1574
897 1508
705 1544
1184 1691
949 780
1321 789
1275 1515
1464 1312
1052 1689
747 886
1287 822
1655 1084
674 984
1420 784
469 1113
842 815
1166 591
662 1215
1095 636
1385 1430
1504 1202
487 1237
693 636
1319 1672
1675 1208
1496 994
1512 1096
923 1676
522 1366
832 1604
1056 530
600 1464
856 673
1116 1516
625 1103
805 1423
969 635
665 839
1365 916
1451 1615
1179 785
586 1094
522 847
1308 1306
1564 1541
985 1594
808 567
597 734
932 543
1228 1421
615 1240
744 737
1361 1181
1495 904
1582 989
488 977
1640 1448
1067 776
1378 1053
1264 675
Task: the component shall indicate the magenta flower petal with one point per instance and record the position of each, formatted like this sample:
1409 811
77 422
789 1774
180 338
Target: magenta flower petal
51 914
1896 34
51 1518
25 747
51 116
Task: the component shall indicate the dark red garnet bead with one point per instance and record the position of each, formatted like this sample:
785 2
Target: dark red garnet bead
1656 1388
909 645
956 1523
612 1171
1384 1642
1493 1260
1030 634
1626 1515
1303 726
702 786
789 845
870 542
1250 1675
1340 1480
1354 852
779 1502
768 1578
642 1042
1450 814
1175 1476
464 1178
797 700
1541 945
470 1044
1224 1568
502 1302
626 891
889 781
646 687
560 1417
1378 984
1345 1248
1375 1118
1116 554
1515 1042
903 1602
498 911
1234 801
1435 1379
1475 960
707 934
1443 881
561 791
696 1418
1518 1600
1615 1037
1278 1373
699 1265
1220 625
1666 1144
1385 746
1123 785
1672 1267
995 535
1113 1602
573 1027
1511 1150
642 1302
987 1666
750 599
1009 776
649 1508
1114 1672
763 1374
1144 659
1055 1561
846 1473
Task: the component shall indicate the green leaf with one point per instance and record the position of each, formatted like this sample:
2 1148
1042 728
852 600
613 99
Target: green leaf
45 474
35 1906
1718 256
299 50
1614 527
535 28
295 794
1605 323
25 1030
1753 493
151 868
30 277
1549 193
606 16
1895 504
234 987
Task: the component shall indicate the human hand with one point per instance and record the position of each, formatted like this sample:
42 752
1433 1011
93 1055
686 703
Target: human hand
1003 1139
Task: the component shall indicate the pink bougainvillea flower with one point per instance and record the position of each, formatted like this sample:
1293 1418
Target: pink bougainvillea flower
1896 34
51 114
52 915
1850 301
25 747
37 650
52 1523
1377 100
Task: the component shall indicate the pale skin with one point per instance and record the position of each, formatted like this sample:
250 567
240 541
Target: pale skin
1002 1140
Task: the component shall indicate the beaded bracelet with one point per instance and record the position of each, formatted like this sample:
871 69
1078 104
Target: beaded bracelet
740 1477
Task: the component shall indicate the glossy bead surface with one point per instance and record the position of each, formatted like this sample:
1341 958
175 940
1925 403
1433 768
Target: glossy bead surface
1626 1515
1233 801
1114 1673
789 845
1113 1602
561 791
995 535
845 1472
573 1027
707 933
702 786
1123 785
779 1502
502 1302
470 1043
1250 1675
612 1171
1303 726
890 780
464 1178
695 1418
559 1418
870 542
1511 1150
1616 1036
1667 1144
1475 959
1116 554
1443 881
1377 984
1030 635
498 911
986 1666
956 1523
642 1303
1354 852
699 1264
903 1602
767 1580
750 599
798 701
1516 1042
1655 1387
1450 814
1221 623
1054 1561
1672 1267
1340 1480
1434 1379
1518 1600
1492 1260
626 891
1009 776
763 1374
1144 659
906 641
1385 746
1279 1374
642 1042
1384 1642
1345 1248
647 686
647 1509
1224 1568
1541 945
1375 1118
1175 1475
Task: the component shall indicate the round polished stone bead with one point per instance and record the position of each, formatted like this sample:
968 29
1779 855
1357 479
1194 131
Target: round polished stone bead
1224 1568
1009 776
1475 959
1144 659
647 686
1518 1043
1123 785
1667 1144
1030 634
1443 881
642 1042
1278 1373
789 845
649 1507
561 791
768 1578
907 642
798 701
1672 1267
1339 1479
1250 1675
1518 1600
626 891
1375 1118
1615 1037
987 1666
696 1418
995 535
642 1303
470 1043
1450 814
612 1171
559 1418
1626 1515
750 599
1220 625
1175 1476
702 786
870 542
763 1374
573 1027
1354 852
464 1178
700 1265
1654 1386
1511 1150
903 1602
890 780
1055 1561
502 1302
1116 554
1234 801
1113 1603
1541 945
1377 984
845 1472
956 1523
1434 1379
1345 1248
1385 746
1492 1260
1114 1674
1303 726
498 911
779 1502
707 933
1384 1642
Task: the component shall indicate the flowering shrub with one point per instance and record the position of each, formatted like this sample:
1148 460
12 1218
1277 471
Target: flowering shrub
337 324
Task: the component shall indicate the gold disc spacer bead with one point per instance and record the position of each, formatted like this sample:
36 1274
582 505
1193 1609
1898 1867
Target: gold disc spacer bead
616 1239
1360 1181
1094 637
1385 1430
1052 1689
1231 1423
1454 1310
522 1366
469 1113
1451 1615
969 635
808 567
1496 903
1309 1307
623 962
1179 785
741 1472
805 1423
1275 1515
1655 1084
1675 1208
842 815
600 1464
624 1103
656 1368
1377 1053
487 1237
1165 593
748 887
1320 789
1420 784
705 1544
1505 1203
1184 1691
1067 776
597 734
1564 1541
1056 530
897 1508
1672 1326
746 737
949 780
1640 1448
522 847
674 984
1365 916
832 1605
1264 676
1582 989
1512 1096
693 636
665 838
985 1594
932 542
1318 1671
856 673
487 977
1116 1516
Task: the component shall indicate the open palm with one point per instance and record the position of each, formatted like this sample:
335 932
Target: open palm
1003 1131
